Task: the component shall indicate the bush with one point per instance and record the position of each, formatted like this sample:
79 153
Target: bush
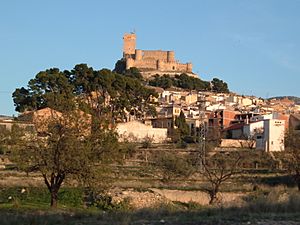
105 202
2 150
190 206
189 139
147 142
173 166
275 201
181 144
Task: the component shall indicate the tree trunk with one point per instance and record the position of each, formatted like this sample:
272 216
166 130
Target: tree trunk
213 195
53 186
54 197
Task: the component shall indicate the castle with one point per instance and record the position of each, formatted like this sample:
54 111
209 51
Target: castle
151 62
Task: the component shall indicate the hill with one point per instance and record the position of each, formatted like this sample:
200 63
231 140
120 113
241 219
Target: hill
292 98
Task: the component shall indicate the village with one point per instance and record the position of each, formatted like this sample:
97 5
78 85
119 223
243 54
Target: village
150 112
238 121
150 134
236 118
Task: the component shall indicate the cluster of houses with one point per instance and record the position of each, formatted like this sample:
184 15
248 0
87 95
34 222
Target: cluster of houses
241 121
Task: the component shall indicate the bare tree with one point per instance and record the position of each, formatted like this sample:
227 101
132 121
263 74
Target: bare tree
249 140
217 170
292 155
65 148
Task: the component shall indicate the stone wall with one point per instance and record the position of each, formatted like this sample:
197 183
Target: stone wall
234 143
167 56
143 64
160 65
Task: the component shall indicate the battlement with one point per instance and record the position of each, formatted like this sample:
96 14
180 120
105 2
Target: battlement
147 60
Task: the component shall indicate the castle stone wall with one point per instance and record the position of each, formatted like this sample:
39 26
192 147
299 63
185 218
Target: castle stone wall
159 65
155 55
145 64
168 56
156 60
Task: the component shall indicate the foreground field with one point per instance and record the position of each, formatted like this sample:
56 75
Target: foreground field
277 206
140 194
148 217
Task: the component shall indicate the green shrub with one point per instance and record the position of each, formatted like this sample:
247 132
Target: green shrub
147 142
2 150
173 166
189 139
181 144
71 197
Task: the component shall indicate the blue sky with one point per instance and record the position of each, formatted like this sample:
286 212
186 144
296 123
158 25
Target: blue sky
252 45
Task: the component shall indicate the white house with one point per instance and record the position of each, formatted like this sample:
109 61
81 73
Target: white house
268 134
135 131
215 107
251 129
272 138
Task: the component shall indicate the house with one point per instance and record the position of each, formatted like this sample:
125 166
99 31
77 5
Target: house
7 123
43 117
244 130
193 125
168 110
268 134
272 138
215 107
136 131
166 122
159 91
221 118
189 98
242 101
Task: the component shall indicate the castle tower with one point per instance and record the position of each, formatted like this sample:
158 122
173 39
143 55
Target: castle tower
129 42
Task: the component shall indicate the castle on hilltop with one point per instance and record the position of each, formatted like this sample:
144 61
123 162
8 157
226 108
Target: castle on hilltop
151 62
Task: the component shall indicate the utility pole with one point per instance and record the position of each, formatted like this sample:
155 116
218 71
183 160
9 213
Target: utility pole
202 132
